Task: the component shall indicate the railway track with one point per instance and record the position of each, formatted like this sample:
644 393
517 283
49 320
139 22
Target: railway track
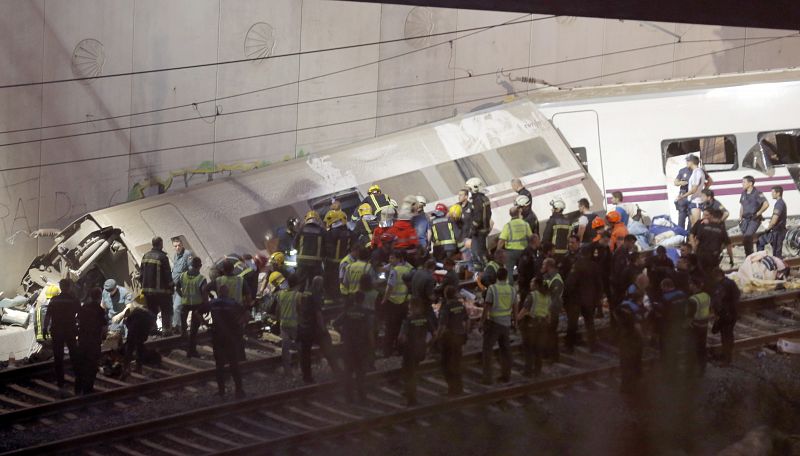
263 423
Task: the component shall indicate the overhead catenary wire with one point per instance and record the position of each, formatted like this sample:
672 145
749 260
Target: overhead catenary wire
475 31
474 100
219 113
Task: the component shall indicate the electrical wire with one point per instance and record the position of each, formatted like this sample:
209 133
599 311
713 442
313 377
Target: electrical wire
476 31
492 97
220 113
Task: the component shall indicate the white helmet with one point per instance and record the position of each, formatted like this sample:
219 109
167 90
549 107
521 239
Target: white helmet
475 184
522 201
421 200
558 204
388 213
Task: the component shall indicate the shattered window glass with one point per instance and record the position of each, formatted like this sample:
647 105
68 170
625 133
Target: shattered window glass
717 153
781 147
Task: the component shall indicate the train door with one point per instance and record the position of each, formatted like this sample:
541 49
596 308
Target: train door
581 129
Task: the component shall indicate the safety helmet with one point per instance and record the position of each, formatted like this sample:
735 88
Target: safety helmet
422 200
613 217
522 201
333 216
598 223
392 202
277 258
374 188
364 209
558 204
475 184
276 278
312 215
441 208
388 213
455 212
260 260
140 299
51 291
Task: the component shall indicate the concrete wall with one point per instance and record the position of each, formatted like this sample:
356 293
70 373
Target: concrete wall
47 184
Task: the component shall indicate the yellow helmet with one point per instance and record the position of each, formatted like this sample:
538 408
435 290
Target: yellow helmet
140 299
364 209
51 291
311 215
333 216
277 258
455 212
374 188
276 278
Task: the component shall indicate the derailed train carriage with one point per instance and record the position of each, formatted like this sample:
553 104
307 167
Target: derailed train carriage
241 213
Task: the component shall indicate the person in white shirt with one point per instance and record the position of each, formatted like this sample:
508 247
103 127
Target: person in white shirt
697 183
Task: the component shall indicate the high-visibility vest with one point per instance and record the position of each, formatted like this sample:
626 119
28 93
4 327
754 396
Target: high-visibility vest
309 246
399 294
353 275
703 303
556 278
287 307
560 238
443 233
234 284
503 296
541 304
41 309
518 234
378 203
190 289
343 265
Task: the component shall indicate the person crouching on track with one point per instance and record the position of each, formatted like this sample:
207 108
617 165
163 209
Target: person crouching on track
629 315
191 286
92 325
500 300
354 327
533 319
226 337
413 338
452 333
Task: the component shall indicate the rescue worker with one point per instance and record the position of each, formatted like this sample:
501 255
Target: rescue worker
752 205
724 301
237 291
337 246
421 222
776 231
191 286
601 255
682 204
516 185
465 209
286 236
709 202
395 300
452 333
443 234
523 202
489 274
659 266
623 258
403 229
287 302
629 314
226 336
481 222
533 319
355 270
708 239
245 267
565 262
500 301
353 326
60 324
423 285
413 338
364 226
513 239
351 258
529 265
586 291
92 323
277 263
460 226
618 230
557 228
699 311
311 330
139 321
310 247
370 304
114 300
586 231
555 288
180 264
157 284
386 222
40 310
377 200
599 226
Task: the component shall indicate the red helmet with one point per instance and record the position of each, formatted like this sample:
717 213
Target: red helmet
614 217
441 208
597 223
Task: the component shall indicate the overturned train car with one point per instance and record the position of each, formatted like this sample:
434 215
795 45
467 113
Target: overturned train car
241 213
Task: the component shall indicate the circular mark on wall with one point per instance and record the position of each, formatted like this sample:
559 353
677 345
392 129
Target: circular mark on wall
419 23
88 59
259 41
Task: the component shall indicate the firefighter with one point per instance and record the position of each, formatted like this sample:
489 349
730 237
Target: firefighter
377 200
277 263
157 283
481 221
191 287
60 323
523 202
395 300
443 235
365 225
310 247
92 323
337 246
42 303
558 228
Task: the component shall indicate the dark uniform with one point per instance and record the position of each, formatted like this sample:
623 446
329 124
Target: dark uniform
310 244
396 309
190 287
555 289
601 255
413 335
423 287
586 288
443 238
724 302
92 321
530 218
337 246
157 285
711 238
496 329
629 315
682 205
362 233
377 201
226 337
529 265
698 312
535 330
481 219
60 322
775 236
139 322
673 329
751 204
354 327
311 330
453 329
557 231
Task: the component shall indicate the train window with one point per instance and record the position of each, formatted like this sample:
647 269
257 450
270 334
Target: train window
580 154
781 147
455 173
529 157
263 227
718 153
413 183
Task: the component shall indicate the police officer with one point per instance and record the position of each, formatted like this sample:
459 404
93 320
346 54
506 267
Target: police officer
395 300
337 246
699 311
682 204
180 264
500 301
191 287
630 314
353 325
555 288
533 319
226 336
708 239
586 290
92 322
423 284
513 239
157 283
709 202
481 221
413 338
557 228
60 323
310 244
776 231
752 205
452 334
443 235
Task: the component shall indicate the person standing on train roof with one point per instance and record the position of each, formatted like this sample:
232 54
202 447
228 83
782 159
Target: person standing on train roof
180 264
557 229
421 222
310 244
481 222
752 205
682 204
697 183
157 283
776 231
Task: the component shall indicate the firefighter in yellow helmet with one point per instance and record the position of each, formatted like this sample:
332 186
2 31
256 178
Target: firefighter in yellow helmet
365 226
310 245
377 200
337 246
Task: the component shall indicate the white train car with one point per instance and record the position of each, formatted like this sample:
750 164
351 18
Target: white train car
240 213
633 137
